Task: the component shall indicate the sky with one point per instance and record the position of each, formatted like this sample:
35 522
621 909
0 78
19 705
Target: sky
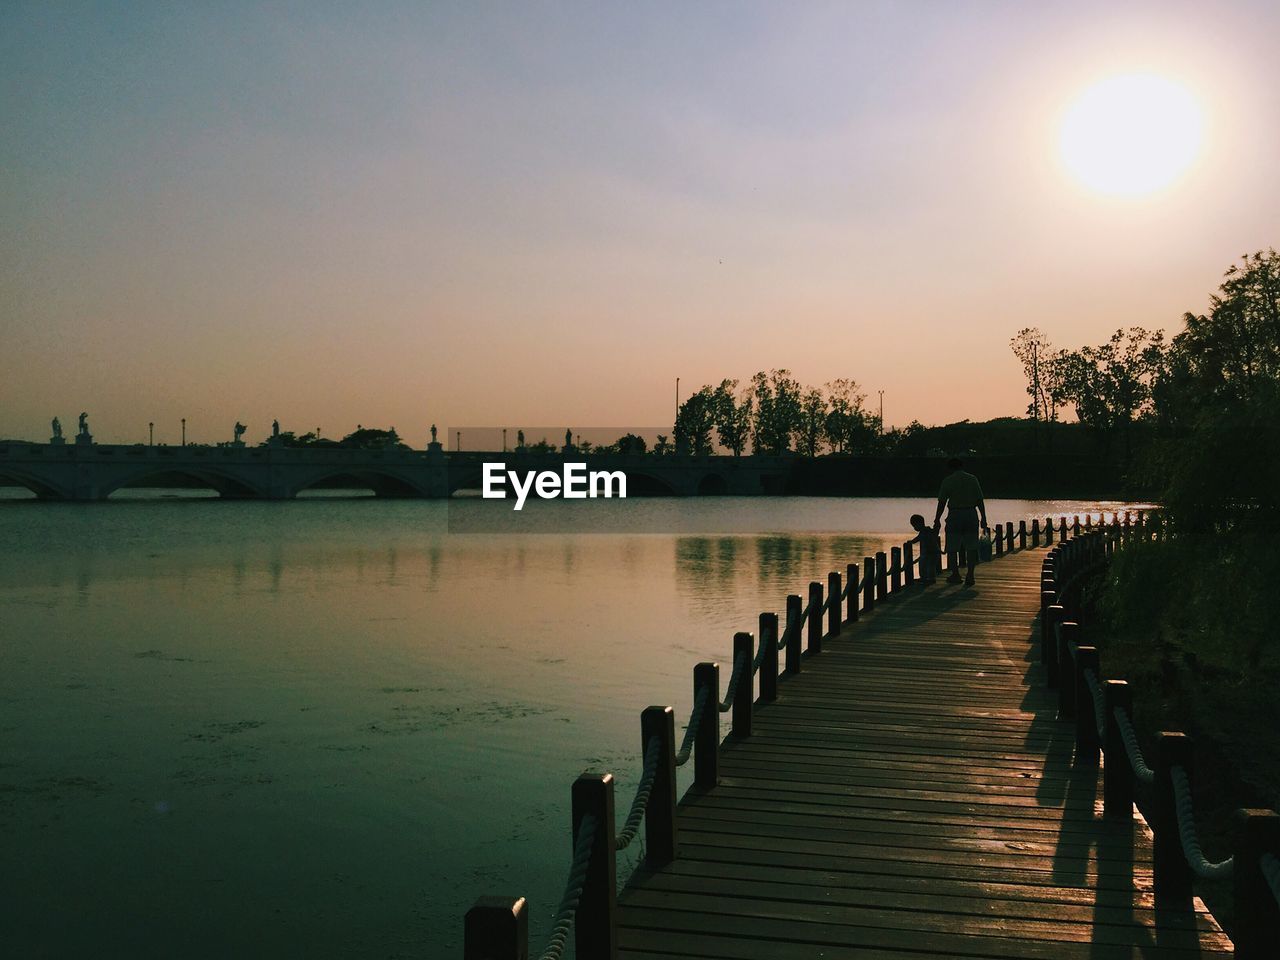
405 214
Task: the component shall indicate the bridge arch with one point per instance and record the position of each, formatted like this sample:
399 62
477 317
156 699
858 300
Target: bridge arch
41 488
641 484
226 484
712 485
383 483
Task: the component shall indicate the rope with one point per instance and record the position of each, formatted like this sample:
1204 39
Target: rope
1187 828
1140 769
1271 870
691 731
758 662
1095 691
785 635
572 890
645 788
727 703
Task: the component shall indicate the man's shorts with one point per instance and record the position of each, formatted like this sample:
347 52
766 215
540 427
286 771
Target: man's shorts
962 530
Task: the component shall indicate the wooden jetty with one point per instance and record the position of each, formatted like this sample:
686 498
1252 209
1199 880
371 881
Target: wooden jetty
914 788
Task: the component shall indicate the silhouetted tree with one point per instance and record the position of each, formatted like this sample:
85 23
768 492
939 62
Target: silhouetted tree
1110 384
811 428
732 416
776 414
848 428
694 422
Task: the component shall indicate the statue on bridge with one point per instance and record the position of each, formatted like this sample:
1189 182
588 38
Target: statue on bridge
275 428
57 429
84 437
84 424
519 439
240 428
568 439
433 433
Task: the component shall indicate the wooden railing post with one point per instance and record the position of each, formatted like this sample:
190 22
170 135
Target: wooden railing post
1117 774
834 601
882 575
895 567
1022 534
998 541
909 563
769 663
1008 535
1257 915
1049 639
496 928
1075 526
1172 873
868 584
660 833
744 645
1068 633
706 741
794 630
1048 596
1035 532
851 605
1048 531
815 617
595 926
1087 740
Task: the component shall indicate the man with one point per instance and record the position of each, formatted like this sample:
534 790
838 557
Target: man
961 495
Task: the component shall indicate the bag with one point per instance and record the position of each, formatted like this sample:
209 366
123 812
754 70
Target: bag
984 546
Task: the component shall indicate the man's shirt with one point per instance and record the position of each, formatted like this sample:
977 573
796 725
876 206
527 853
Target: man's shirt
960 490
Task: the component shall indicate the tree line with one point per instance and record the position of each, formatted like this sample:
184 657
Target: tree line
775 414
1138 379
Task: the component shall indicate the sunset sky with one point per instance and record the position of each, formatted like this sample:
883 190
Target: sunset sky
544 213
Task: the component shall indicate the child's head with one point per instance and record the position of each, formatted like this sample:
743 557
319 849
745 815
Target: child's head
917 522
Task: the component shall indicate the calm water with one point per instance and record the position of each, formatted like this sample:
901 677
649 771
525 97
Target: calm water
324 727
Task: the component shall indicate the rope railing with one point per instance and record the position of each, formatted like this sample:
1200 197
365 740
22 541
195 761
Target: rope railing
727 703
585 910
563 925
691 731
1103 718
1130 739
1203 868
644 788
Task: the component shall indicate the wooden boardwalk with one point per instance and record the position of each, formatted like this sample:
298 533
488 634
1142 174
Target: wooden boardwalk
911 795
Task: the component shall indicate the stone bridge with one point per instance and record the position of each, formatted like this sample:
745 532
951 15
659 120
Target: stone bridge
93 471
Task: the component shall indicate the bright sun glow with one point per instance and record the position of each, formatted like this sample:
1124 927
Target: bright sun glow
1131 135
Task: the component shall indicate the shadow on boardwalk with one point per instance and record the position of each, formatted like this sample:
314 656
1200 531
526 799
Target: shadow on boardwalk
911 795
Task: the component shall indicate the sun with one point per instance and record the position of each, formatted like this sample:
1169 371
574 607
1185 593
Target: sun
1131 135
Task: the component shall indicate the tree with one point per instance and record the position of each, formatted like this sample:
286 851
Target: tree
370 438
848 427
732 416
1043 369
776 400
629 443
1233 352
1110 384
811 428
694 422
663 446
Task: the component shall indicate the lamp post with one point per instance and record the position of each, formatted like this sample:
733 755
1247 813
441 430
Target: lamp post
184 431
504 439
677 398
457 442
881 392
151 435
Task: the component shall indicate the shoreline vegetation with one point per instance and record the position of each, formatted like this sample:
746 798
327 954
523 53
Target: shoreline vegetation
1191 620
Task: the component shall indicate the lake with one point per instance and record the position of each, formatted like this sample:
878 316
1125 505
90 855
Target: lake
323 727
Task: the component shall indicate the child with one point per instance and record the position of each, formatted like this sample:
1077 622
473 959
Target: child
930 550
